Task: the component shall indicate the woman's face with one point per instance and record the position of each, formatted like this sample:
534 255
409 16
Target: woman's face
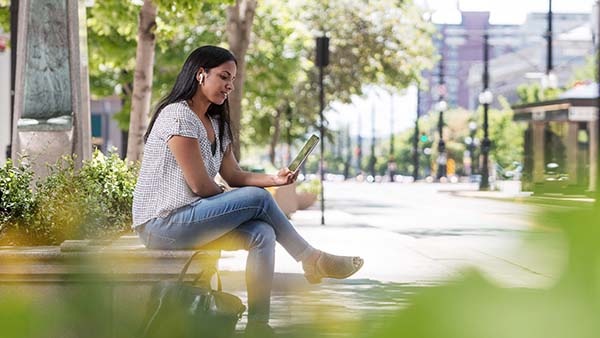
218 82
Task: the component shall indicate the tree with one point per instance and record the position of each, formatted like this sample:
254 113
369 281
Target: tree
239 27
142 81
4 15
383 43
274 67
142 84
180 27
586 72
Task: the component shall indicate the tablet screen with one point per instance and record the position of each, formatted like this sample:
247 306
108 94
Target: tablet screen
304 152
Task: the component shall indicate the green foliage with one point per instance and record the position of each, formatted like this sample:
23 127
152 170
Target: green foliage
470 306
16 198
533 92
4 15
473 307
312 186
506 135
112 30
586 72
386 43
93 202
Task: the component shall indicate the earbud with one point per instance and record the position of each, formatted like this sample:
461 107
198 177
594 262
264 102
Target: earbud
201 78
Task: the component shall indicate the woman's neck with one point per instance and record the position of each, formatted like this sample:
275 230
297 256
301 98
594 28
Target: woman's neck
199 105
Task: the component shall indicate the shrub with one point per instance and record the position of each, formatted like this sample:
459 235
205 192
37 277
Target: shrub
312 186
93 202
16 197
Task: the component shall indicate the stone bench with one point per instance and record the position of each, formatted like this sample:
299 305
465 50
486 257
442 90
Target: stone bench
122 272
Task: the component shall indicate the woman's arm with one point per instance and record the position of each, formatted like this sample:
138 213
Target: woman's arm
236 177
187 154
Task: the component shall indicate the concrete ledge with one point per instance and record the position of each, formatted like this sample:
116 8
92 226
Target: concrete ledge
114 278
123 260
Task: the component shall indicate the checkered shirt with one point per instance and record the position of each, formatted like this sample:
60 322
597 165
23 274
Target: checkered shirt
161 187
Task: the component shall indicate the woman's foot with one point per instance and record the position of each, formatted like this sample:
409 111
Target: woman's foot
323 265
259 330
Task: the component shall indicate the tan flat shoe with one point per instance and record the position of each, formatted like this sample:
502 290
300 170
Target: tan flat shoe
331 266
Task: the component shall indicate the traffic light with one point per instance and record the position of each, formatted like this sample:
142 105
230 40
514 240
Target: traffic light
424 138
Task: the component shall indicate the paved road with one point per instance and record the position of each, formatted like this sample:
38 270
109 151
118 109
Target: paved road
411 236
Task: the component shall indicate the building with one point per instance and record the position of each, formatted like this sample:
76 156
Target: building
106 134
528 64
461 47
561 142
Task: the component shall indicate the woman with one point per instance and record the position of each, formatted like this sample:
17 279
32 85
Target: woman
178 205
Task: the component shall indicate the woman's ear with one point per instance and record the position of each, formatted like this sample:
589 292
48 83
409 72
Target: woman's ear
200 76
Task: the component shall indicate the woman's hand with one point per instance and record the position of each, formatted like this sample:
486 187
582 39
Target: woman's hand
285 176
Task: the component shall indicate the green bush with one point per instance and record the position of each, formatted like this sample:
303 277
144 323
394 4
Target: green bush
311 186
93 202
16 198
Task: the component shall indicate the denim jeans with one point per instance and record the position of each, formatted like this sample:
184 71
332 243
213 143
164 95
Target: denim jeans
246 218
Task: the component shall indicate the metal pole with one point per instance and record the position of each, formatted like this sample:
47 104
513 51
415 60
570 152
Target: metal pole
372 160
598 112
322 61
441 144
416 140
14 15
485 146
322 133
391 161
474 162
348 158
359 147
549 66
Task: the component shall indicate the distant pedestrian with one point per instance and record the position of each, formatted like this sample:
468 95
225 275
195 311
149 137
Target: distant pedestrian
178 205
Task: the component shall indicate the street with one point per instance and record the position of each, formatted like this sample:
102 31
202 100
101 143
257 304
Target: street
411 236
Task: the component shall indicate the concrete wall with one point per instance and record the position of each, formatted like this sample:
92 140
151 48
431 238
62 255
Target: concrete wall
4 103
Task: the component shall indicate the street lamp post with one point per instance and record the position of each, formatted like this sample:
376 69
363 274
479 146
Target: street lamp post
322 62
391 161
441 106
416 140
471 144
598 106
549 80
372 159
549 39
485 98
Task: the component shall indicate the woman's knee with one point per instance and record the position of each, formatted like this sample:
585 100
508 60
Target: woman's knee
257 194
256 191
263 235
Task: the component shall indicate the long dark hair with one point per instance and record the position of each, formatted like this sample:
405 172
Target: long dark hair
186 84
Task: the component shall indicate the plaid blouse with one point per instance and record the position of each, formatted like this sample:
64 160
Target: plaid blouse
161 187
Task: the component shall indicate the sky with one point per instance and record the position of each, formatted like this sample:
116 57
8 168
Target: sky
404 104
501 11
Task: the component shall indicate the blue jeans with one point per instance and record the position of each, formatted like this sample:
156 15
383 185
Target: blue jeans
246 218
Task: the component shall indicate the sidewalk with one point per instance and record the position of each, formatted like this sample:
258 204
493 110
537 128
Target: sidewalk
511 191
396 265
395 258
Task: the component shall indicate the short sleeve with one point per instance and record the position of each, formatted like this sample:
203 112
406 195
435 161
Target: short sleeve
172 123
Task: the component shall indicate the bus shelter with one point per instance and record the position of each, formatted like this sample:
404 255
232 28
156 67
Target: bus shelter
561 142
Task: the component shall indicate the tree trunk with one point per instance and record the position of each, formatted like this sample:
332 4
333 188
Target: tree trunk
276 134
142 81
239 27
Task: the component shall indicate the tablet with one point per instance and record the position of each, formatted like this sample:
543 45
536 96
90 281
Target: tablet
304 152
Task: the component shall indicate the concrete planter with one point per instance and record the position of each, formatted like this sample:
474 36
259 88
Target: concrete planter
306 200
116 278
286 198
